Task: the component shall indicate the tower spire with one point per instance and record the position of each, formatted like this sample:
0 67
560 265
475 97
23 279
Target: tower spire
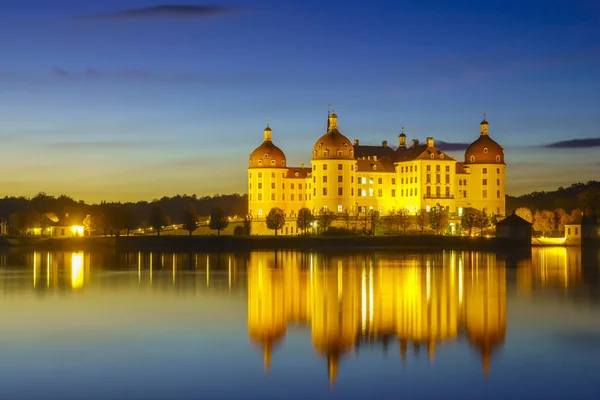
483 126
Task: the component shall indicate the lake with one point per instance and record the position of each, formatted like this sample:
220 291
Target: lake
288 324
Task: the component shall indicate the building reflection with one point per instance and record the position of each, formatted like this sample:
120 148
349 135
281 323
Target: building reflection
350 302
550 268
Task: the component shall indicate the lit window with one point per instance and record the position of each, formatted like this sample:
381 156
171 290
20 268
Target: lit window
485 149
273 163
259 212
266 155
371 192
371 181
363 192
363 180
427 208
498 158
472 158
460 211
340 209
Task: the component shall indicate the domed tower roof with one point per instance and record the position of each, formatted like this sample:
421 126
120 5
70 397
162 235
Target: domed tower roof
333 145
484 150
267 155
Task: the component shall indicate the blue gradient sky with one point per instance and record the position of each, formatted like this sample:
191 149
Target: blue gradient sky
138 108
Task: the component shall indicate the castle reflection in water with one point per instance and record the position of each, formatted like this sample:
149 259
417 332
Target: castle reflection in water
420 301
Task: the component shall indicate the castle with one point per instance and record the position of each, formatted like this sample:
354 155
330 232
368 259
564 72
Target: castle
347 177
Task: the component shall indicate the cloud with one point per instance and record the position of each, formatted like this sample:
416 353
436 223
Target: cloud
575 144
448 146
161 11
59 71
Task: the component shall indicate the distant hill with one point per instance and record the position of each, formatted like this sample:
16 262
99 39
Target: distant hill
565 198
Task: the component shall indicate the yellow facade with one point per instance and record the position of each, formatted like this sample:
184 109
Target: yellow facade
346 177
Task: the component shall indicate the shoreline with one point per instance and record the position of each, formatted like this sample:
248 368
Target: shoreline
214 244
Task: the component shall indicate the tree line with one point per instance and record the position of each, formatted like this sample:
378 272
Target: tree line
43 210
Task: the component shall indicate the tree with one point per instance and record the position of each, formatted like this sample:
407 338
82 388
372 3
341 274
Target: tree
421 220
374 219
469 219
346 219
405 220
275 219
524 213
190 219
247 226
158 218
482 221
305 219
90 224
550 220
122 218
16 221
438 219
325 218
589 201
392 221
560 217
218 220
543 221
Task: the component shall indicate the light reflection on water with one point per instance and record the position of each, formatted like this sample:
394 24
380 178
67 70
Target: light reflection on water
350 308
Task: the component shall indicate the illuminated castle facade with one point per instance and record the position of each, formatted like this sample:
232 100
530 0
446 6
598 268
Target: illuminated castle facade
347 177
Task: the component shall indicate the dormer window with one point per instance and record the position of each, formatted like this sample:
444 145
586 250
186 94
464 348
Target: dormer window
315 153
442 156
297 174
485 149
320 145
431 155
472 158
266 155
326 153
283 163
374 167
339 153
273 163
250 162
345 145
259 162
498 158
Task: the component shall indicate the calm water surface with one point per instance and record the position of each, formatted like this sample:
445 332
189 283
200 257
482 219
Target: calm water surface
280 325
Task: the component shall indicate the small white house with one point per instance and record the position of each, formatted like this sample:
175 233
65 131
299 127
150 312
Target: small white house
573 233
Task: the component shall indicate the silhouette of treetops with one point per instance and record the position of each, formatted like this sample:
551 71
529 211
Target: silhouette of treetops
568 198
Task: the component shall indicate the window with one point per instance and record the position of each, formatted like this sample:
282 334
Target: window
447 191
340 208
576 231
415 179
250 175
325 179
438 178
352 179
411 168
465 193
411 192
379 192
437 168
429 168
485 149
299 186
393 192
266 155
447 168
484 182
314 167
260 174
272 185
370 192
497 158
498 182
340 178
299 196
272 196
497 193
339 153
352 191
498 171
260 185
380 181
326 153
340 167
485 170
324 191
283 163
352 167
259 212
415 192
370 181
460 182
447 179
363 193
260 197
402 180
415 168
569 230
431 155
283 185
498 210
472 158
324 167
363 180
282 196
428 178
273 175
314 179
314 191
259 162
340 191
428 191
437 191
292 197
402 192
485 194
393 181
402 169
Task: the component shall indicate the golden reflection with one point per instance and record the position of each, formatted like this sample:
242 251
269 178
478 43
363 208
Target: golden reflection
77 270
370 299
550 267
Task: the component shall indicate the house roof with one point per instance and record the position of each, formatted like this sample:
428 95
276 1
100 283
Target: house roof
373 151
298 173
384 164
515 220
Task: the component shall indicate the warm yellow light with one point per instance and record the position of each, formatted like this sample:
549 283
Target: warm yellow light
77 230
77 270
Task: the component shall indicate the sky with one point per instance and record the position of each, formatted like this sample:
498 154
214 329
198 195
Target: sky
138 99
